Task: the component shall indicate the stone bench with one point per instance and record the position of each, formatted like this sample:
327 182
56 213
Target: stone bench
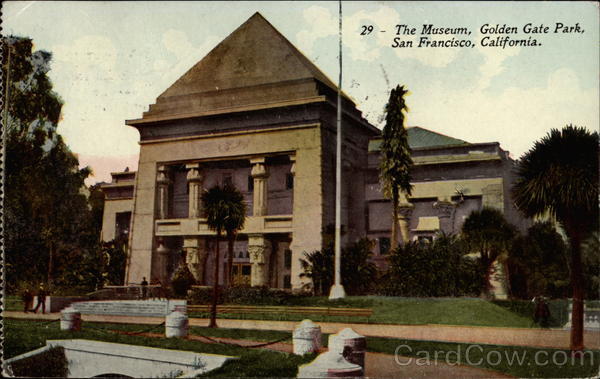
152 308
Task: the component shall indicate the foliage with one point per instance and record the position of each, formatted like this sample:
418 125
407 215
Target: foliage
225 210
182 280
487 233
318 267
591 264
358 272
538 265
51 363
49 232
559 177
395 160
245 296
432 269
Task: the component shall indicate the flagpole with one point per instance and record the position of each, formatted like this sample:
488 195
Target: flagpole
337 290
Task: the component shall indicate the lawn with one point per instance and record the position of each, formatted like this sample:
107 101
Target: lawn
411 311
22 336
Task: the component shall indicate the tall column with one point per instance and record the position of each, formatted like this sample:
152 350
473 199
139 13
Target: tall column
404 213
259 250
159 270
195 257
194 178
260 175
163 182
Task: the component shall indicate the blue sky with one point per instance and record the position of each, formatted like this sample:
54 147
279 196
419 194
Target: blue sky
112 59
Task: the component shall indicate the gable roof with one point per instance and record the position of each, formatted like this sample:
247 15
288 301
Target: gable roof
422 138
254 54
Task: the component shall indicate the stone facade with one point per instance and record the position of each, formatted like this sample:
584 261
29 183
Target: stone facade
255 113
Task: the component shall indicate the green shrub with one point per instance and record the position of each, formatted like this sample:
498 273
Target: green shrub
51 363
182 281
358 271
244 295
435 269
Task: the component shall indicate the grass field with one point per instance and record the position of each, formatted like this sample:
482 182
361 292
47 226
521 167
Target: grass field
410 311
22 336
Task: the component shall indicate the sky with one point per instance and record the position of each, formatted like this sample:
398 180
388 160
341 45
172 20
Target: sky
112 59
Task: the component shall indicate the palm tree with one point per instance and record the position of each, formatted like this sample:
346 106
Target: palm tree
559 176
487 233
395 155
225 210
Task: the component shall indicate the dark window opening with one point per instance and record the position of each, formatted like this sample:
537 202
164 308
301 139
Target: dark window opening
287 281
122 222
287 259
250 183
289 181
227 180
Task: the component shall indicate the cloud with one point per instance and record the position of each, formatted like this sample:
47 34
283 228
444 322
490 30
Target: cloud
515 117
493 62
322 23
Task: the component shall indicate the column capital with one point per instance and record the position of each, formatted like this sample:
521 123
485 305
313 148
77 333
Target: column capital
194 174
445 208
405 210
259 168
162 175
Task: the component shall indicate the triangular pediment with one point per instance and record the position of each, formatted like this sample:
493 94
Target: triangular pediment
254 54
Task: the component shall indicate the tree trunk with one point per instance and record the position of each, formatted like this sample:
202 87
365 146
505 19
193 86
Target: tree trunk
578 298
230 240
213 309
395 227
50 278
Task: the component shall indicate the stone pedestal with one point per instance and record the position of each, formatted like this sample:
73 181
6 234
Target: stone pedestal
70 319
331 364
176 325
307 338
259 250
352 345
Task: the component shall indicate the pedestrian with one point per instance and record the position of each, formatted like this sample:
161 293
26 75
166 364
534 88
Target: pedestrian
41 299
144 288
27 297
542 311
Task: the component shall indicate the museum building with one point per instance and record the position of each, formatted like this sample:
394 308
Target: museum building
257 114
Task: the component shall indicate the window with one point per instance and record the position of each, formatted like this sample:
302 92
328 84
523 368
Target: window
287 259
122 222
250 183
384 245
289 181
287 281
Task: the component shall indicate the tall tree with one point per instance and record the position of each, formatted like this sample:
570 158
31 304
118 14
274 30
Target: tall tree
487 233
47 217
559 176
395 160
222 207
233 224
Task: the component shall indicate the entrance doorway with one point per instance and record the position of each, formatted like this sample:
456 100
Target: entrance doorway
241 274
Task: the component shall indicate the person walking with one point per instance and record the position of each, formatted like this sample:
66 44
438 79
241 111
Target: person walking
41 299
27 297
144 288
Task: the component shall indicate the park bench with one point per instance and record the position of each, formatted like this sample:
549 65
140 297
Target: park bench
283 310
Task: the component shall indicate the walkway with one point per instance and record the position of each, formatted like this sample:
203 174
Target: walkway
379 365
544 338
